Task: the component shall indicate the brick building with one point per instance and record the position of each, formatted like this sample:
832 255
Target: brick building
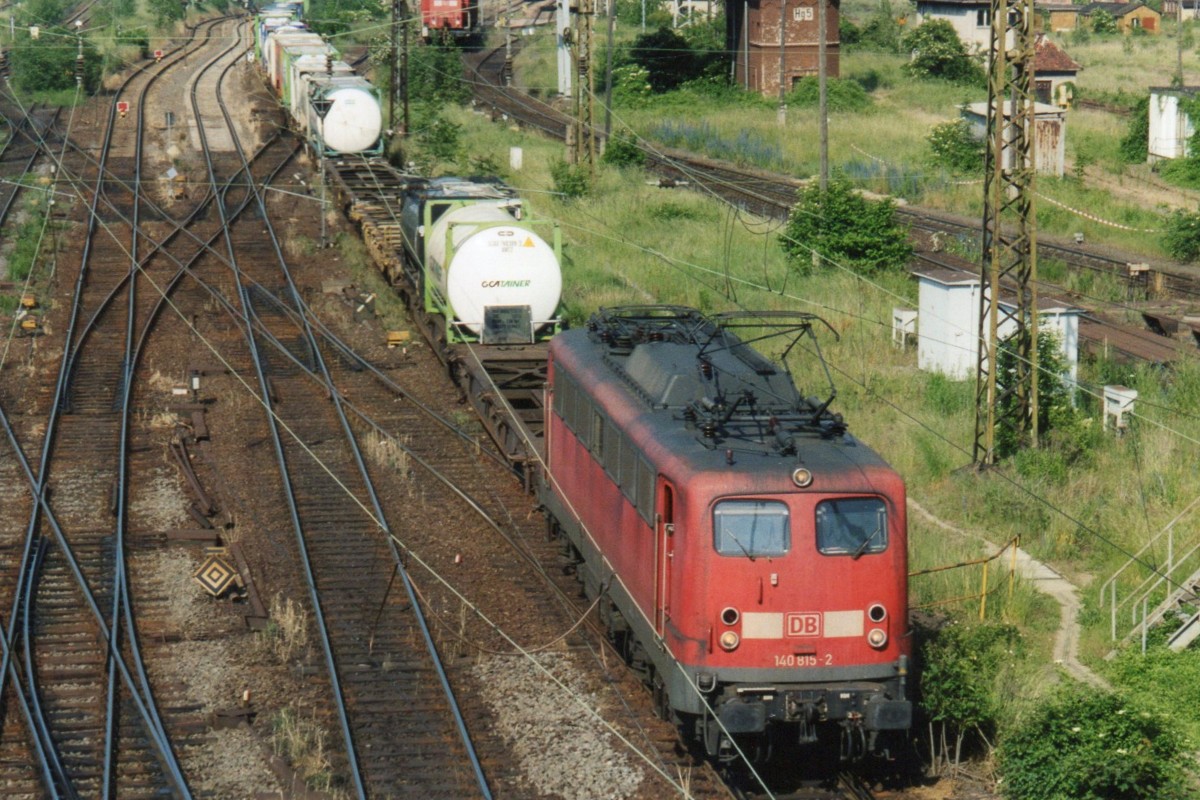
752 35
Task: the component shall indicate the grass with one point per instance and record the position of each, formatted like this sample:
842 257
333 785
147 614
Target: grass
884 147
1084 512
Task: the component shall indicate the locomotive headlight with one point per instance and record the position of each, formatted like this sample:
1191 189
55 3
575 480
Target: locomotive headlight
877 638
802 477
730 615
729 640
877 613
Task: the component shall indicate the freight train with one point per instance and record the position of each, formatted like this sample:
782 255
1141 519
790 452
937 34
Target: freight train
337 111
749 554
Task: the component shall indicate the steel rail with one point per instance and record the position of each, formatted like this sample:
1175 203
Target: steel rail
277 444
368 484
38 486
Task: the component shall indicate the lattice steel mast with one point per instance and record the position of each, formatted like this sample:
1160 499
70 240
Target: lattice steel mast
585 132
1008 402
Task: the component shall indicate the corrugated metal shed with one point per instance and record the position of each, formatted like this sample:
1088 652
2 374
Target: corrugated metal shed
1050 134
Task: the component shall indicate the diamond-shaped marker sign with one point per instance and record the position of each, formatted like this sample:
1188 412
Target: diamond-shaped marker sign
215 575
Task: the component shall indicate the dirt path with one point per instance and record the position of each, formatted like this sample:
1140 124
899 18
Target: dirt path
1047 581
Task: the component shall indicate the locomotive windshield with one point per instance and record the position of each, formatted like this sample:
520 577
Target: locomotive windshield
751 528
852 526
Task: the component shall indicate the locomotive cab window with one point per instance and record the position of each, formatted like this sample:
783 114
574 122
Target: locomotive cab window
751 528
852 526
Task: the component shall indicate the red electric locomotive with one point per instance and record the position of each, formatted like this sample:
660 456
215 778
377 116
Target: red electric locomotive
456 18
751 553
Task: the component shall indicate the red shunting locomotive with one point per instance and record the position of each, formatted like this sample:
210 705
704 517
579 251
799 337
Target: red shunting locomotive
456 18
751 554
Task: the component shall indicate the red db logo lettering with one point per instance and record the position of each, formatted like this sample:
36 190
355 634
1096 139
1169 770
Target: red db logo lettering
804 624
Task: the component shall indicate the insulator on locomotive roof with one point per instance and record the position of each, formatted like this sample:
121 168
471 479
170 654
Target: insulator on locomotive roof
706 369
709 429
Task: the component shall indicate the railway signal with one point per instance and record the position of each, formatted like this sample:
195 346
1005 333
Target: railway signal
122 108
158 56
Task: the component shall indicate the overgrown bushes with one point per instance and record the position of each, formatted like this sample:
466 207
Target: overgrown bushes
1087 744
841 226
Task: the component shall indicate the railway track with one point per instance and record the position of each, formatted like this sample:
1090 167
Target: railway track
773 195
95 719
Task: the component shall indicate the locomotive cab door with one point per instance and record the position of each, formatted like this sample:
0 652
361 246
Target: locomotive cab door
664 552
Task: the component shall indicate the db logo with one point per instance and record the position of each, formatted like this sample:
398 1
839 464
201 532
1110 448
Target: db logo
807 623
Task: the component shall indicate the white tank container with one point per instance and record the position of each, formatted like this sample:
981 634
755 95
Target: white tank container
493 262
354 121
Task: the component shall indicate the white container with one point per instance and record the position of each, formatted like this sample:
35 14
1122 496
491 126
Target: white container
493 262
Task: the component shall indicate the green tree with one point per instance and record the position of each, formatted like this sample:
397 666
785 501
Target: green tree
435 75
1135 144
954 147
330 17
47 64
842 226
961 667
622 150
1088 744
939 53
1055 407
883 30
1182 236
1103 22
166 11
667 58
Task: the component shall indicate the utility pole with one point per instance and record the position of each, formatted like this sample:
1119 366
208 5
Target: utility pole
395 68
585 132
404 28
1008 402
782 113
822 98
608 66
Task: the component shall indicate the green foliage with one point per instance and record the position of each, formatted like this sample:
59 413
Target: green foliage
622 150
631 85
939 53
47 64
961 668
706 37
953 147
1055 408
629 12
26 240
849 34
667 58
1087 744
1147 673
570 180
883 30
45 12
946 397
1182 236
1103 22
166 11
840 95
435 75
842 226
331 17
442 139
